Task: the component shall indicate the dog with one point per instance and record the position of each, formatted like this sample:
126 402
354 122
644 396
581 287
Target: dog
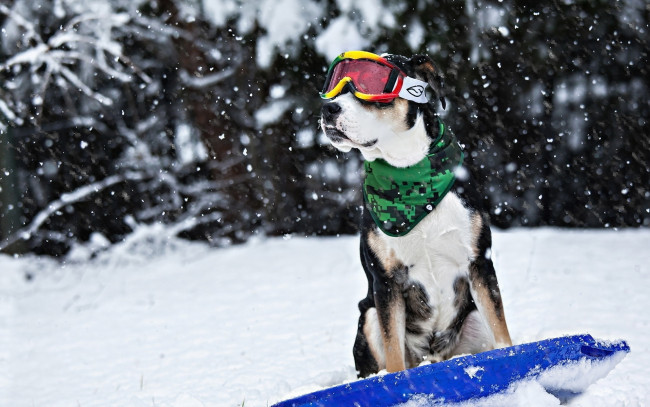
432 287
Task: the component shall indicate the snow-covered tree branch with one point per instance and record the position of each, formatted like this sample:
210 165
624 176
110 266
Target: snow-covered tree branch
86 40
69 198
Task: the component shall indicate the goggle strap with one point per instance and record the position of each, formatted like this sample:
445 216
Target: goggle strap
390 84
414 90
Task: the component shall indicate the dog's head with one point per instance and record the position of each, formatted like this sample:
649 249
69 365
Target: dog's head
399 130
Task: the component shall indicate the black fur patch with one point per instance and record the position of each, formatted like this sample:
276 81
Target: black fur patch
386 290
364 361
412 114
417 307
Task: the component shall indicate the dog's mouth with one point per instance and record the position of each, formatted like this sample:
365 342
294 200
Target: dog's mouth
336 136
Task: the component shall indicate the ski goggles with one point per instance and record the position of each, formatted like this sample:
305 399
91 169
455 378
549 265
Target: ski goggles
372 78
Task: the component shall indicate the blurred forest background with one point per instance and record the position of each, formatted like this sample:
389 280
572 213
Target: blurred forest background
203 114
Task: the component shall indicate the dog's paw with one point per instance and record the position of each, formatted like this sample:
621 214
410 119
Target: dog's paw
443 341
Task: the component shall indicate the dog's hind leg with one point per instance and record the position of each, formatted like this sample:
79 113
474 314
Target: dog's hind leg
486 294
475 336
485 288
368 348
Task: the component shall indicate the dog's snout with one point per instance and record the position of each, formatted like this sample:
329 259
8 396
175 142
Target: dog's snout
330 110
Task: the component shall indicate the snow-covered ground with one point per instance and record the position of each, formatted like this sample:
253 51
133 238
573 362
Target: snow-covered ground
157 321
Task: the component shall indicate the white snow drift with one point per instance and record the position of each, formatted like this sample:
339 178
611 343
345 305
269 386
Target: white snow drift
157 321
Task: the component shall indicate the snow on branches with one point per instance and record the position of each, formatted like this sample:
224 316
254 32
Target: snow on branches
69 59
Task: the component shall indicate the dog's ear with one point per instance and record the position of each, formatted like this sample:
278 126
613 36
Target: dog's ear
427 70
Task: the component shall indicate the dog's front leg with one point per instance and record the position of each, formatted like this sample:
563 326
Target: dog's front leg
389 302
388 276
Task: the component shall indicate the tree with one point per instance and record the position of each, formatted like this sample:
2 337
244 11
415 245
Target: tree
204 115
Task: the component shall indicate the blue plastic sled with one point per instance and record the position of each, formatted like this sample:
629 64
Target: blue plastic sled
480 375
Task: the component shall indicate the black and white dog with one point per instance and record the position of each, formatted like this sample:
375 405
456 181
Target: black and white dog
433 291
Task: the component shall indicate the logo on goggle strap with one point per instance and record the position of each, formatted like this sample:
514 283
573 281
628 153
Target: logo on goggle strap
416 90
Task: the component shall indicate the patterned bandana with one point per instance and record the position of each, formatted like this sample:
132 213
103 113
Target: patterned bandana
399 198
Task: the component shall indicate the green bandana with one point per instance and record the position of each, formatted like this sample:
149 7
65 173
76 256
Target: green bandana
399 198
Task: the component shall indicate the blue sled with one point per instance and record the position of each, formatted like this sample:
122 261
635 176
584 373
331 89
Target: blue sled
579 360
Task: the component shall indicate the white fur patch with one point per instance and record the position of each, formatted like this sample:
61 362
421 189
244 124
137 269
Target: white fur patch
475 336
372 331
380 133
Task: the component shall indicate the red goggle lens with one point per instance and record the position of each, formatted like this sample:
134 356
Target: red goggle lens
367 76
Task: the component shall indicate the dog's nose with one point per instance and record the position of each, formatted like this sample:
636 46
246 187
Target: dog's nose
330 110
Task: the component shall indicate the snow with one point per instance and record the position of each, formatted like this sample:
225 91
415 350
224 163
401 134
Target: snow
284 21
271 112
415 34
473 371
579 375
372 13
188 147
7 112
156 320
521 394
341 35
219 11
305 138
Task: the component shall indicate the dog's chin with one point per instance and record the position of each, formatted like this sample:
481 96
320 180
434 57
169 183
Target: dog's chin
343 143
342 147
338 140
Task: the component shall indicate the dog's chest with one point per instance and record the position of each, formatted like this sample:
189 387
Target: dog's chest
438 251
